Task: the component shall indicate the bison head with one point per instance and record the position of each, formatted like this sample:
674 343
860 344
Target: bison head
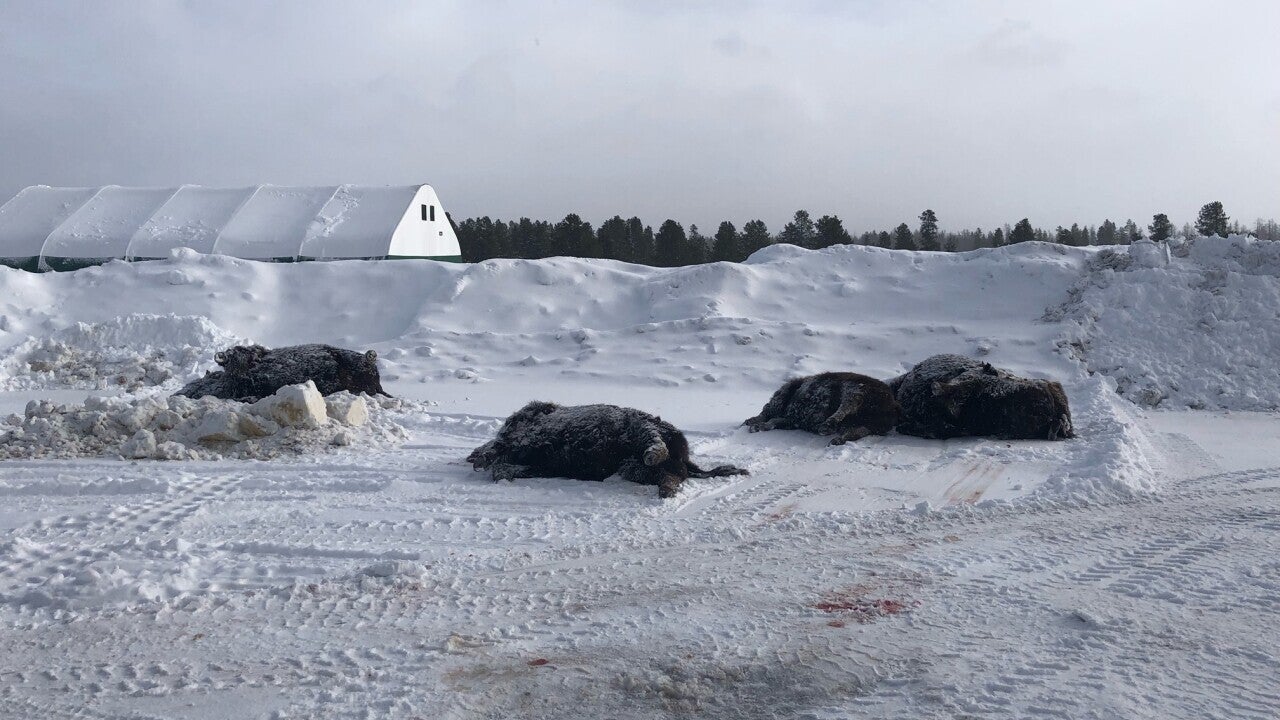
240 359
485 455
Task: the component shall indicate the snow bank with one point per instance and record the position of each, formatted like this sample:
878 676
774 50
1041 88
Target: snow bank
704 346
1198 327
129 353
294 421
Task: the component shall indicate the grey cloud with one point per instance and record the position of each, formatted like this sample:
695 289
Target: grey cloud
986 112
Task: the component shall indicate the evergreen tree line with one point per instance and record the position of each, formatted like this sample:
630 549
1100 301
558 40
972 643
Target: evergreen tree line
630 240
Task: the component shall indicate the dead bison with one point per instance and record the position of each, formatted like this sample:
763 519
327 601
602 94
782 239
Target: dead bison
591 442
252 372
847 405
953 396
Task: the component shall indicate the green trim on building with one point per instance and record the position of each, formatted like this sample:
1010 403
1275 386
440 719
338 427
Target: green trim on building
439 258
30 264
61 264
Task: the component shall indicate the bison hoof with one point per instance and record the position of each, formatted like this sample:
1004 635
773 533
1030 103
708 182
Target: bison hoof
837 441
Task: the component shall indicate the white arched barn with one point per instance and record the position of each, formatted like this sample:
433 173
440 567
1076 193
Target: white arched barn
47 228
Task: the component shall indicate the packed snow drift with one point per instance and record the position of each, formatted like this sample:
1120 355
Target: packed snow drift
296 558
1196 328
125 353
295 420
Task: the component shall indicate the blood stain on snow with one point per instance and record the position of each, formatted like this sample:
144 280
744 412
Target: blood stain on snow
855 605
538 662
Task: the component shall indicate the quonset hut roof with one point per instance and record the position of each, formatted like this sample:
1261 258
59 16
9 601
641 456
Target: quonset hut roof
63 228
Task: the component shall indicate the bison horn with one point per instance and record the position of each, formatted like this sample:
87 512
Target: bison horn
371 355
1061 428
220 358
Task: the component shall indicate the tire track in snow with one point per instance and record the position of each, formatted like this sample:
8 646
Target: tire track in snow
43 550
1069 676
734 595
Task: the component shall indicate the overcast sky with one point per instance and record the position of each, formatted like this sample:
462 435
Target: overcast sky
701 111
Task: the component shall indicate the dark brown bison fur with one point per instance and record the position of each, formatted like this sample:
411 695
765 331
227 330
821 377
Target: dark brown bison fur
847 405
591 442
949 396
252 372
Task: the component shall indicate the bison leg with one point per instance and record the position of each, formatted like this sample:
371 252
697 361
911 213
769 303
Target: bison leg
511 471
850 403
778 423
776 406
717 471
850 435
669 486
655 452
668 483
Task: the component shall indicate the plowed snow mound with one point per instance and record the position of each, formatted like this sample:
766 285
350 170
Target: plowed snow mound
1196 328
294 421
130 353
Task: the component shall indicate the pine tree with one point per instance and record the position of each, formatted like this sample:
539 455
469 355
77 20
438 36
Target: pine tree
831 232
979 239
928 230
1266 229
1131 232
1022 232
997 237
668 244
531 239
755 236
884 240
1212 220
640 238
470 241
1062 236
613 239
800 231
1107 233
500 240
695 248
727 246
903 239
575 238
1160 227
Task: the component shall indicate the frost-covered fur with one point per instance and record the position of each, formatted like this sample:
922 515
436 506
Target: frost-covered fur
847 405
591 442
953 396
252 372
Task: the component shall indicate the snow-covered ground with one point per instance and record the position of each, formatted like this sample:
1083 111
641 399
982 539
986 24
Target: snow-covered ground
1132 572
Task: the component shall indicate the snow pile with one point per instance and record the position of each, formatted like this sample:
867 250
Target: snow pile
296 420
1198 327
129 353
